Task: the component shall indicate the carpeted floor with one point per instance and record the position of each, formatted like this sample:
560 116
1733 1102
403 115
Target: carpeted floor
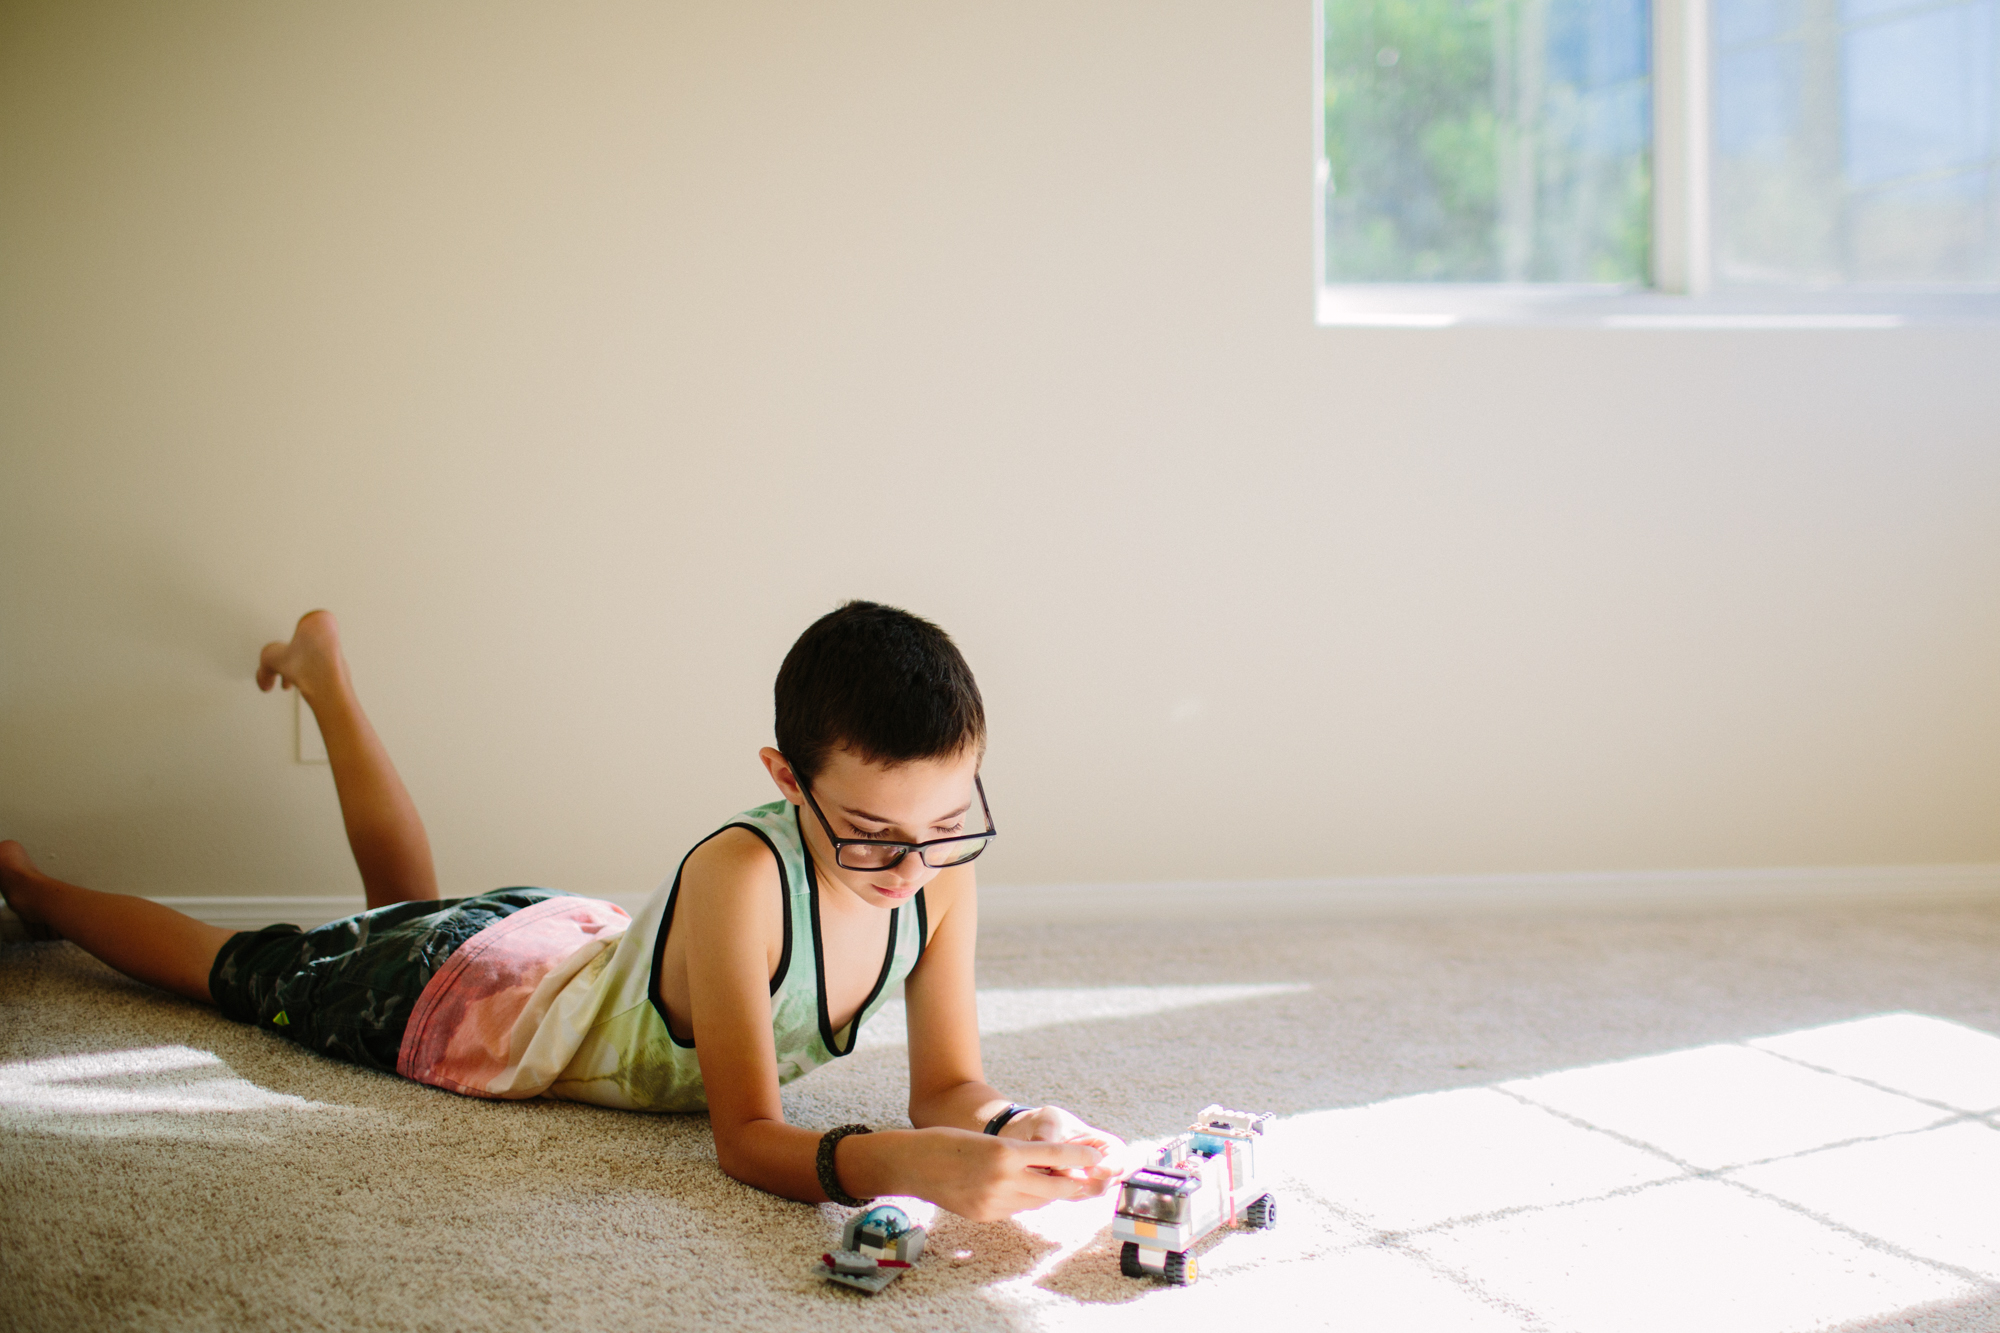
1752 1122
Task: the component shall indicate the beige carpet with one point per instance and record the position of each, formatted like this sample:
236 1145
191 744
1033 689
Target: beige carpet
1756 1122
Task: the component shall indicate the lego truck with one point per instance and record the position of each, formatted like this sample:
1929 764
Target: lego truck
1208 1178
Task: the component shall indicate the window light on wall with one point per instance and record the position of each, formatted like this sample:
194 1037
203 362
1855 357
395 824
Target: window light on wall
1697 163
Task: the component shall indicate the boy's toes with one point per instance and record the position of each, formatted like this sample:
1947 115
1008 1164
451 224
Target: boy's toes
306 662
270 669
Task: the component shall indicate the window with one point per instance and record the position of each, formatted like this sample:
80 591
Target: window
1503 141
1854 141
1810 161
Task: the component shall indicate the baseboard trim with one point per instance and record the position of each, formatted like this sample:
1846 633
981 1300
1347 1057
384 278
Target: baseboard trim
258 911
1432 895
255 912
1351 896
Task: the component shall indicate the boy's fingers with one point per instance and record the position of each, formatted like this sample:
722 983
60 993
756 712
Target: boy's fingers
1120 1159
1108 1148
1036 1188
1112 1154
1061 1156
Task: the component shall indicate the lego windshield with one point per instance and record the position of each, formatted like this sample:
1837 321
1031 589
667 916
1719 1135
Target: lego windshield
1152 1202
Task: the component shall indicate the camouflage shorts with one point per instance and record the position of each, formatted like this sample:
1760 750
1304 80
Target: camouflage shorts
346 988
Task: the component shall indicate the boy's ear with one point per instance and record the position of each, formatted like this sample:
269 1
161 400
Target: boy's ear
780 769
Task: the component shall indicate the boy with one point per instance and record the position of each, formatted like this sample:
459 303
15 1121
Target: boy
780 934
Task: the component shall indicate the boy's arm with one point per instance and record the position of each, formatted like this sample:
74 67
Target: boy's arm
729 994
947 1084
973 1174
729 981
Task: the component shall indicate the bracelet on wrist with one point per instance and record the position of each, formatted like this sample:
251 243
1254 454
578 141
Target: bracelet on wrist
829 1178
999 1122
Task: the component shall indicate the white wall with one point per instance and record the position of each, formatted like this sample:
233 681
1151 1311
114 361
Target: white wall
580 355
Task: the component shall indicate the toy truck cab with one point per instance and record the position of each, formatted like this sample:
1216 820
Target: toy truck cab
1206 1179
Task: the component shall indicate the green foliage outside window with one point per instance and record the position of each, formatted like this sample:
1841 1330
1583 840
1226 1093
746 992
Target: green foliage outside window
1487 140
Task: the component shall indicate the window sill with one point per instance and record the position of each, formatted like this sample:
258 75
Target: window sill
1456 305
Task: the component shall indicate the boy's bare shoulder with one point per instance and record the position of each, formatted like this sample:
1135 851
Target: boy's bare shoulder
730 883
733 858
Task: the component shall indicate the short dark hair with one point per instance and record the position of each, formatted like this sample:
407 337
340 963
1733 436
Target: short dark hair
890 686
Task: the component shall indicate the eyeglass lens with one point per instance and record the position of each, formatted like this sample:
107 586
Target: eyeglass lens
867 856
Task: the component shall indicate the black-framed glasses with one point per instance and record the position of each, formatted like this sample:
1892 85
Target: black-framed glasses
938 853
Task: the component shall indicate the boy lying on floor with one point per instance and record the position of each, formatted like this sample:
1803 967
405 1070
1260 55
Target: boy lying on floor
781 933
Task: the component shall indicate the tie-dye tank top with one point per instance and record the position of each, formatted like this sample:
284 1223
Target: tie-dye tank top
562 999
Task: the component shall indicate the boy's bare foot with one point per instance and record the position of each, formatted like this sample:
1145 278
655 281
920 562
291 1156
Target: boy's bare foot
18 879
311 663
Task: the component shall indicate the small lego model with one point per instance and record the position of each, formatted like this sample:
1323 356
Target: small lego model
1206 1179
876 1248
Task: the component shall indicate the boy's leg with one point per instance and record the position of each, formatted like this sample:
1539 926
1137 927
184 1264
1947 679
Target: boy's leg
142 939
175 952
390 847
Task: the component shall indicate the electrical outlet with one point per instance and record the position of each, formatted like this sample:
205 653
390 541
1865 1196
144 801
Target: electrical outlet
311 745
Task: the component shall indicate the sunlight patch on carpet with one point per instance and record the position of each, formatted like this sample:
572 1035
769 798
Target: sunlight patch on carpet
149 1080
1947 1063
1718 1106
1693 1254
1003 1011
1832 1176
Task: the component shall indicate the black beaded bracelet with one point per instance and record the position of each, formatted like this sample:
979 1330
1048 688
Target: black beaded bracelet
829 1179
999 1122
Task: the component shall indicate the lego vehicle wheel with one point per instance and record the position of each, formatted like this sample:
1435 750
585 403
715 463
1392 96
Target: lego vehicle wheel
1180 1269
1263 1214
1128 1260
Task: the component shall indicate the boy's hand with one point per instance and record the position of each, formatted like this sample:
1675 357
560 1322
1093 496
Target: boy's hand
1052 1124
978 1176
